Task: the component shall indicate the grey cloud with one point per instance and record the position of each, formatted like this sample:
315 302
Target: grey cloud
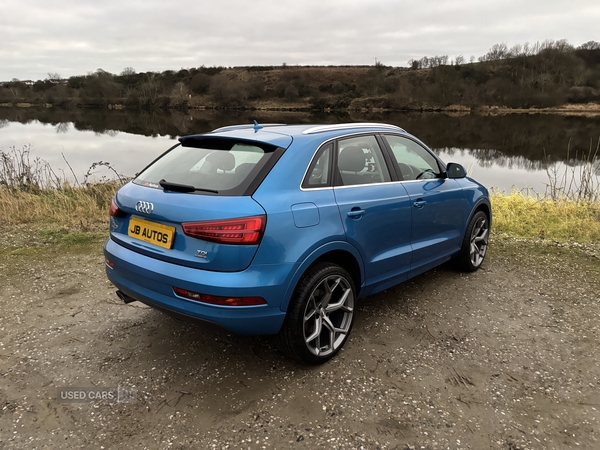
74 37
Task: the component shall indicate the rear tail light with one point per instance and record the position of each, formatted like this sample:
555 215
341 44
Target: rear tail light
114 209
244 231
216 300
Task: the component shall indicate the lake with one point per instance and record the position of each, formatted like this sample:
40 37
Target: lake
501 151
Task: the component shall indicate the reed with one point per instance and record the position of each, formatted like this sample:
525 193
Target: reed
34 195
82 208
32 192
522 215
577 181
19 169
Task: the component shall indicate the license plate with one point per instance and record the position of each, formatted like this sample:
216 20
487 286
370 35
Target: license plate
155 233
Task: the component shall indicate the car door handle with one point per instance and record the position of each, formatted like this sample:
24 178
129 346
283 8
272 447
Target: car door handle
419 204
356 213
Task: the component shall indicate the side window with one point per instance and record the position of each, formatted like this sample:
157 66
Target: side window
360 161
414 161
319 171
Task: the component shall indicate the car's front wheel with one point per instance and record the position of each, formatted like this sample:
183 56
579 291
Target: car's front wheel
320 315
475 242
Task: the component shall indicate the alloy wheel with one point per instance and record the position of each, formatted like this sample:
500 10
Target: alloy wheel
328 315
479 241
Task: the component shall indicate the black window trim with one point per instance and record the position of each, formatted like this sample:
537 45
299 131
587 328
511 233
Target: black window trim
320 150
441 165
337 181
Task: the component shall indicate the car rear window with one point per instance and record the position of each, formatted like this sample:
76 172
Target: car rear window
218 166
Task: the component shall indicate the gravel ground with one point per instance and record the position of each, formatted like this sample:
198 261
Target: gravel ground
504 358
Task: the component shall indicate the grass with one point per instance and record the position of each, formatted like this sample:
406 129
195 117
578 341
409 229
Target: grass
40 207
76 217
83 208
46 207
525 216
69 214
570 209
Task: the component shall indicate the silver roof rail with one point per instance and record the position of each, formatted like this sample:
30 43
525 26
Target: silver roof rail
345 126
245 126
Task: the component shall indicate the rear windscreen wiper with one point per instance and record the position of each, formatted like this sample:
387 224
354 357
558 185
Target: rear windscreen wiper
169 186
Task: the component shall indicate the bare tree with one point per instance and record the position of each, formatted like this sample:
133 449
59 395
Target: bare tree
497 52
53 76
149 90
590 45
180 93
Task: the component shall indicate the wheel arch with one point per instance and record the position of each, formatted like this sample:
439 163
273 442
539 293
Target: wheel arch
486 208
342 254
345 260
482 205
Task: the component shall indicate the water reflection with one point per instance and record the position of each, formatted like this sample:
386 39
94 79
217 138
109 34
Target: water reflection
63 127
490 157
501 151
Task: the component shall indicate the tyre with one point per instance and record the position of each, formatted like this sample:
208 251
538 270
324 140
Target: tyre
475 242
320 315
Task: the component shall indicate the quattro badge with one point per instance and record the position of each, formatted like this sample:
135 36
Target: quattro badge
201 254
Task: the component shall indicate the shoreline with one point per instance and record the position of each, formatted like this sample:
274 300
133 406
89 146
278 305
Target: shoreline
589 109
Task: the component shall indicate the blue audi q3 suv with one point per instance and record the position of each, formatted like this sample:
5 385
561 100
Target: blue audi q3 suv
279 229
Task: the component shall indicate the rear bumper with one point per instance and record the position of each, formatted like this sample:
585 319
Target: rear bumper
151 281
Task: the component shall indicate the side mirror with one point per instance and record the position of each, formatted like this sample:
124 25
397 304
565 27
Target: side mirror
455 170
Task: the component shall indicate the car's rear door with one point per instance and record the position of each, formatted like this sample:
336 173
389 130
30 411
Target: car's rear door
374 210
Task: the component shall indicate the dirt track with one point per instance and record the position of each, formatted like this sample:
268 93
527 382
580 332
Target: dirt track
504 358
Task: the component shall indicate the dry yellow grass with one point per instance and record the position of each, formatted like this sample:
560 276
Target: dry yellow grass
86 209
81 208
562 220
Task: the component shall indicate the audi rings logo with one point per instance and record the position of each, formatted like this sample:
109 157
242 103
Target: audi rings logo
144 207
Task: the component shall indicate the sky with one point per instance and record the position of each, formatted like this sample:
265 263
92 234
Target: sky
76 37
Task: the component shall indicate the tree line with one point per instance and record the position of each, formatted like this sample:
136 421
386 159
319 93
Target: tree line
541 75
